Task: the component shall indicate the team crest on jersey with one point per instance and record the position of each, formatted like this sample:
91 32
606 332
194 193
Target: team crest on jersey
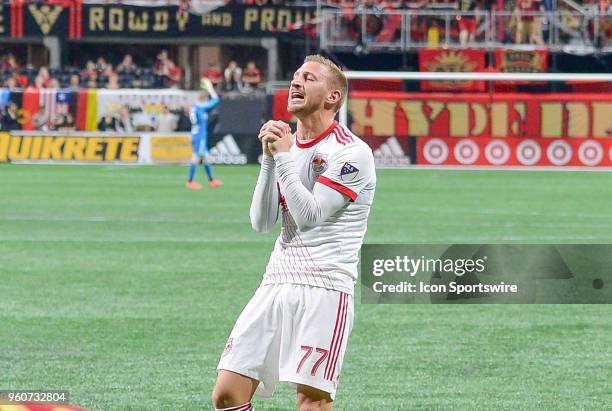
348 172
319 163
228 347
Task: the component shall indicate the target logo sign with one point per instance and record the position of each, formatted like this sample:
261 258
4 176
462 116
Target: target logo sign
559 153
590 153
466 152
435 151
528 152
497 152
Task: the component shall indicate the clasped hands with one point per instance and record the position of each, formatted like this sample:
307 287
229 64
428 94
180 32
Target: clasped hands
275 137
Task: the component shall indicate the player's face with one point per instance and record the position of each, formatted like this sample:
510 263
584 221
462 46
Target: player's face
309 89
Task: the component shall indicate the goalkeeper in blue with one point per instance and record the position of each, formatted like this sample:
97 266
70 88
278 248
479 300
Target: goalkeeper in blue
207 101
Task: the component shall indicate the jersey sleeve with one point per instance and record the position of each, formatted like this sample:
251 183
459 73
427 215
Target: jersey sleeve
350 170
210 104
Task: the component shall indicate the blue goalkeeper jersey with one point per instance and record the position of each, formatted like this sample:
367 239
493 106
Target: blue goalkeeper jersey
199 117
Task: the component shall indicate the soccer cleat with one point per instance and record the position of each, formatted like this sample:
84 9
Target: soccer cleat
215 183
192 185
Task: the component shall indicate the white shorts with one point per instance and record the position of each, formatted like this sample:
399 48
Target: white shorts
293 333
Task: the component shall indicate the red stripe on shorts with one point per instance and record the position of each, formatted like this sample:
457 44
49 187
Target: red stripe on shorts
341 314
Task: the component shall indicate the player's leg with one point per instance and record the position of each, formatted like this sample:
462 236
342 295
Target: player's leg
195 146
317 325
206 164
233 391
249 361
312 399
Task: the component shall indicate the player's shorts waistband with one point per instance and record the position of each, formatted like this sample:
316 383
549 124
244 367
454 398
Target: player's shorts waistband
339 286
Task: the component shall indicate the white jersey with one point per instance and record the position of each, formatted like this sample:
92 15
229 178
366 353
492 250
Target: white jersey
326 255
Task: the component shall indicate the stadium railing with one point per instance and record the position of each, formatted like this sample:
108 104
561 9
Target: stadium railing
403 30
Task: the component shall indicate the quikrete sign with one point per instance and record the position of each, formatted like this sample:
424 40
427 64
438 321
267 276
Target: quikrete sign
62 147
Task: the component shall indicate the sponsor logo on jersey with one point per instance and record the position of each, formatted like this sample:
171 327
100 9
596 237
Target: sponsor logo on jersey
228 347
319 163
348 172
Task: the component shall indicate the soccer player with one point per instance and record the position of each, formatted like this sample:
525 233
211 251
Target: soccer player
296 326
199 134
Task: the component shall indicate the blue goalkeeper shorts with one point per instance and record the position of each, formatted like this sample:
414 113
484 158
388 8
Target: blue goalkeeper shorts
199 145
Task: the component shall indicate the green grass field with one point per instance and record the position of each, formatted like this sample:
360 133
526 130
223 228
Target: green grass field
120 286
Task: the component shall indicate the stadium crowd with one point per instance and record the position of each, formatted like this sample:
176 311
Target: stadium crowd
101 73
522 21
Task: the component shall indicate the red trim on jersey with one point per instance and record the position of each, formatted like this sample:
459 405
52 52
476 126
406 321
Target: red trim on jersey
339 139
338 187
314 141
346 134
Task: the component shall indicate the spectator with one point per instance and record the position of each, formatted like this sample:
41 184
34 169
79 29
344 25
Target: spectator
92 83
65 122
22 80
10 82
162 60
127 65
54 83
251 77
605 22
169 74
10 118
108 122
10 63
467 23
41 119
89 72
113 82
526 22
213 73
39 82
173 77
75 82
183 122
166 121
233 76
102 67
43 73
124 123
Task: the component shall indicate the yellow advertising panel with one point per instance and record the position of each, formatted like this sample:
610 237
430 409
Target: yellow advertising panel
57 147
170 149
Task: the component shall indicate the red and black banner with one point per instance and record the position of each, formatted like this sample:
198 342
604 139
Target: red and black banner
524 115
37 19
73 19
463 61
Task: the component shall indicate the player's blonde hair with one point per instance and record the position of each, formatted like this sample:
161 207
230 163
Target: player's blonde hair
338 78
